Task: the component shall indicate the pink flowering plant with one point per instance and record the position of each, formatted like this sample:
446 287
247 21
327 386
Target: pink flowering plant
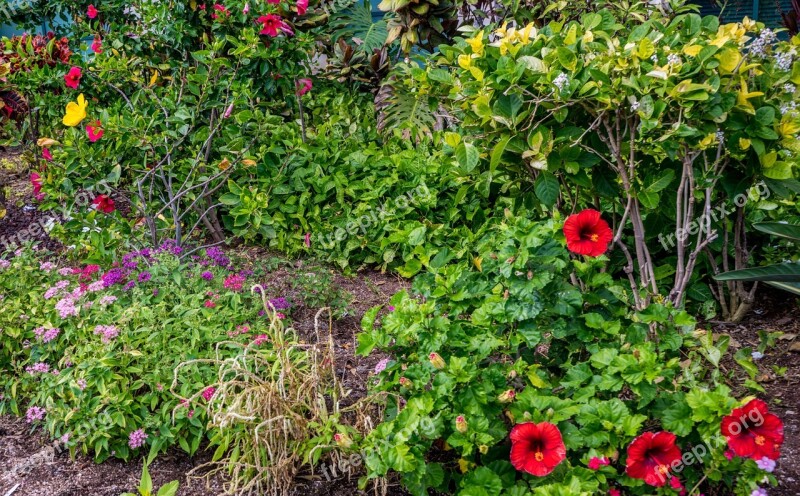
88 351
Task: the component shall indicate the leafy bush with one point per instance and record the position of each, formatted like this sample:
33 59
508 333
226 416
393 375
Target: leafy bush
662 119
506 339
91 351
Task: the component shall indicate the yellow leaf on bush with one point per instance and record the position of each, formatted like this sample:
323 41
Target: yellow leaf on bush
464 61
692 50
728 60
744 143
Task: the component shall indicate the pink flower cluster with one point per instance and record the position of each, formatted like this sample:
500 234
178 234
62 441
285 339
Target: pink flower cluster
66 306
208 393
47 266
35 413
136 438
108 332
4 264
107 300
55 289
234 282
37 368
46 335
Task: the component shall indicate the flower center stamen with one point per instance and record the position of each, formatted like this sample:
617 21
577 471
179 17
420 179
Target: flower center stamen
760 440
538 456
662 469
594 237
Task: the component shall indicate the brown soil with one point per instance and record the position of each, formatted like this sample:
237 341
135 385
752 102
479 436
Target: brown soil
775 311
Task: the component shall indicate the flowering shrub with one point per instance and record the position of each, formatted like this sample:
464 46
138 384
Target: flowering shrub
665 121
89 352
507 378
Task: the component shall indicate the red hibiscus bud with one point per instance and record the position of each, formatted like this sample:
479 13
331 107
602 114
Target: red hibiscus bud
406 382
461 424
507 396
437 361
343 440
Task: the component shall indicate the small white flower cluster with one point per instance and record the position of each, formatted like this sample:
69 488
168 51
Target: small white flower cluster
789 88
788 107
673 59
654 58
759 46
784 60
720 136
634 106
561 81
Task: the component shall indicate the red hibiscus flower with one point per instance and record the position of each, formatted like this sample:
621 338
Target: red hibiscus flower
302 7
104 204
47 155
753 432
91 12
97 45
537 448
95 132
650 457
73 78
272 25
587 233
303 86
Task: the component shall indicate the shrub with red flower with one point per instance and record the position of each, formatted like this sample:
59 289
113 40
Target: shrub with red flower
650 457
537 448
97 45
273 25
753 432
103 203
587 233
91 12
94 131
73 78
303 86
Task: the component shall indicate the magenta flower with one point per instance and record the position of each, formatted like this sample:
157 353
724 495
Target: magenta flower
94 132
302 6
47 155
136 438
303 86
97 45
595 463
234 282
208 393
91 12
272 25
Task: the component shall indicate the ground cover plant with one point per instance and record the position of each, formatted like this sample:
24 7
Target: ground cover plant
93 363
574 189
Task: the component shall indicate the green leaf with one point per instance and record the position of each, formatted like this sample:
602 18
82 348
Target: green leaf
467 156
547 188
567 58
169 489
146 484
497 153
790 231
662 182
785 272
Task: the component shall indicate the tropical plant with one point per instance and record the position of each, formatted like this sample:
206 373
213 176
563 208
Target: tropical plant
784 276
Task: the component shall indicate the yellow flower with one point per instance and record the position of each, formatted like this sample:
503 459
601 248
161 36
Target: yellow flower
76 112
464 61
476 42
524 36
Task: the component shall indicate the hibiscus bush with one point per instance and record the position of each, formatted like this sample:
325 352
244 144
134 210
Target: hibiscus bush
525 371
88 352
669 122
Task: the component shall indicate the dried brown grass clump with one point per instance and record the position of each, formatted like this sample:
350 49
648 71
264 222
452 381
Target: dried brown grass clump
276 408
